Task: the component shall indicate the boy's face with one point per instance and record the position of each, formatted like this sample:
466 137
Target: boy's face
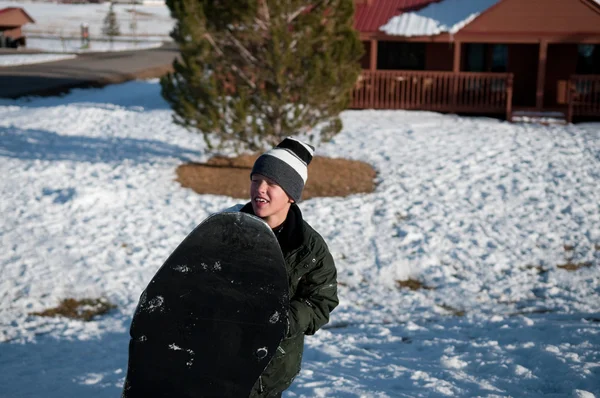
269 200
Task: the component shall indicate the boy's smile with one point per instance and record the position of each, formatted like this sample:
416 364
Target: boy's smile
269 200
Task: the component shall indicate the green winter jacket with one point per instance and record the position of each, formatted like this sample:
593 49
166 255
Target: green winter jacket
312 279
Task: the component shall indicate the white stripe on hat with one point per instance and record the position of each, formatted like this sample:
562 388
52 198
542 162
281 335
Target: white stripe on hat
293 161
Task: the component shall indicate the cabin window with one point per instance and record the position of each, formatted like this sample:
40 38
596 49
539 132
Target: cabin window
499 58
486 57
400 56
475 57
588 61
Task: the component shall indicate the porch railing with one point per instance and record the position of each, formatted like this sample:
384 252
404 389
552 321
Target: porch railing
436 91
584 96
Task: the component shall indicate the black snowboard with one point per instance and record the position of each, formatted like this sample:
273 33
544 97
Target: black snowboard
214 314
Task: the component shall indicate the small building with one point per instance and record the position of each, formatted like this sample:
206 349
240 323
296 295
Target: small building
11 21
480 56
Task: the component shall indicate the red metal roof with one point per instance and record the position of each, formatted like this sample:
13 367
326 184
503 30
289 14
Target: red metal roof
18 9
7 9
370 15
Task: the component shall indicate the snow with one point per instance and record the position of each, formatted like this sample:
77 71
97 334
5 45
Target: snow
66 19
481 211
26 59
73 45
446 16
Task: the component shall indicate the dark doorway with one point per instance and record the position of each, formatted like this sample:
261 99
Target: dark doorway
523 64
561 64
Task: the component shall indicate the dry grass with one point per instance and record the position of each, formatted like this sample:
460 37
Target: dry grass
540 270
231 177
534 311
412 284
452 310
574 266
85 309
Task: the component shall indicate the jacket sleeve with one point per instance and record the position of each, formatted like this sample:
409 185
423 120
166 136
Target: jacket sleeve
316 296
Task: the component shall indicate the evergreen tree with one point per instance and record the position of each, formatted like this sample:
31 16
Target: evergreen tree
254 71
111 25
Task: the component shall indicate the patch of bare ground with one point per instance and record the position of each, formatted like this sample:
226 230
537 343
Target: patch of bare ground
412 284
539 269
452 310
574 266
85 309
532 311
327 177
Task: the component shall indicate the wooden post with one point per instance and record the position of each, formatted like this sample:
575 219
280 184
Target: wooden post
570 99
372 73
509 97
541 79
457 55
373 61
455 74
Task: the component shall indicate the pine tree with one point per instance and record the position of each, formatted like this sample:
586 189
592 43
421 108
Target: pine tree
254 71
111 25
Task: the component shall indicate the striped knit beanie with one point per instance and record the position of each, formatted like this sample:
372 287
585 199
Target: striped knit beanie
286 164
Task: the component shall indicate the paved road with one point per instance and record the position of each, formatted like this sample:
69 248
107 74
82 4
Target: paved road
95 69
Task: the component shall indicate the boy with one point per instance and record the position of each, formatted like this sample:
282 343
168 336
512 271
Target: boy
277 181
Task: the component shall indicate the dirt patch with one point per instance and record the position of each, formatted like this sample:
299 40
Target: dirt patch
327 177
540 270
85 309
574 266
452 310
532 311
412 284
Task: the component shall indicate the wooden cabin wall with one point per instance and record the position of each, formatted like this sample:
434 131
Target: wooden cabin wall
14 33
537 16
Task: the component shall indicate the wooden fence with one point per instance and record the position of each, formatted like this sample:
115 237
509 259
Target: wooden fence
436 91
584 96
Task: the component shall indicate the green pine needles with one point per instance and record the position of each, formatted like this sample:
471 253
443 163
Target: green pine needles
254 71
110 26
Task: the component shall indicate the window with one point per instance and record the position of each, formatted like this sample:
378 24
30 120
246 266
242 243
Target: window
499 58
400 56
475 57
486 57
588 60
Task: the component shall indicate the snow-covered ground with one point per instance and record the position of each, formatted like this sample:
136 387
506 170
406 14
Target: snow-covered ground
483 212
66 19
74 45
26 59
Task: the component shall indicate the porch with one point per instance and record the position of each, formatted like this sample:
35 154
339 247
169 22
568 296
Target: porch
462 92
468 92
481 78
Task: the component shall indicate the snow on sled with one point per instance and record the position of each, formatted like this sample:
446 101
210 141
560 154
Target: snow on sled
214 314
